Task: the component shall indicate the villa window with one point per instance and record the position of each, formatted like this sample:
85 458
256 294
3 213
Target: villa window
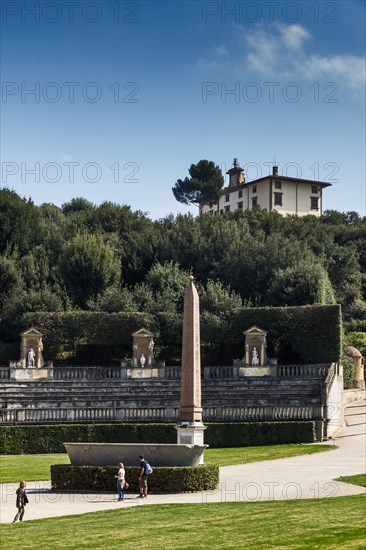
314 203
254 202
240 205
227 198
278 184
314 189
227 208
254 190
278 199
240 194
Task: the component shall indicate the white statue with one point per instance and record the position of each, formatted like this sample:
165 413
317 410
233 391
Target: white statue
142 360
31 358
255 358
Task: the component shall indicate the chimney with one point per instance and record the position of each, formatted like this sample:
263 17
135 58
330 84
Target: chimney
275 171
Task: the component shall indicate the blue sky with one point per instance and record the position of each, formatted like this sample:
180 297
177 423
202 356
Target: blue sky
127 95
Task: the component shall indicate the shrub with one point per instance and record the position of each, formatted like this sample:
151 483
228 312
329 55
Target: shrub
250 434
163 480
50 438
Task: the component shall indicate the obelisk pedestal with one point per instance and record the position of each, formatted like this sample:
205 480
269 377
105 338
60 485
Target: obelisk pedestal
190 427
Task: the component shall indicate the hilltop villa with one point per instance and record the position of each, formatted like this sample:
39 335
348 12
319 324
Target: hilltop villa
273 192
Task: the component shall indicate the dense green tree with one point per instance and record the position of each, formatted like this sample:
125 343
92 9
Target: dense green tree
88 266
217 298
76 252
19 222
355 316
204 186
114 299
35 269
344 272
358 340
76 205
10 280
163 289
300 284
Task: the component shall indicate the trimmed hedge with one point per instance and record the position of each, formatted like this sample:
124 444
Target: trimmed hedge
73 331
304 334
46 439
252 434
163 480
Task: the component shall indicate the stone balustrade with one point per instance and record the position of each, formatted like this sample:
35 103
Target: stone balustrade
320 370
97 372
87 373
4 373
158 414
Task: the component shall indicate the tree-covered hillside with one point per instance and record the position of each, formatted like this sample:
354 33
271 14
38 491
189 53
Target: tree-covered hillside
108 258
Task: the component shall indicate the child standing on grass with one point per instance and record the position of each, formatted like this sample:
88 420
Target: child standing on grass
22 500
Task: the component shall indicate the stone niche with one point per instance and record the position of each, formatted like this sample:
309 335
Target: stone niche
255 358
31 347
143 364
30 365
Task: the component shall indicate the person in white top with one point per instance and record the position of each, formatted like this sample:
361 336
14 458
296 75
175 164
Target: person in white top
121 480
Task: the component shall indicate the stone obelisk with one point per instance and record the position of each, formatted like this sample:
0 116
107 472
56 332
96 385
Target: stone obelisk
190 428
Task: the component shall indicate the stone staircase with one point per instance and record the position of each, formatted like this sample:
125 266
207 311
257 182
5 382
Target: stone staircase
236 398
355 419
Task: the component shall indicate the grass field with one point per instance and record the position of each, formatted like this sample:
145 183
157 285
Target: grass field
329 524
359 479
14 468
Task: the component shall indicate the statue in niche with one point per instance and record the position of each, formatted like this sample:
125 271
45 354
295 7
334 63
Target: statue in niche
255 358
31 358
142 360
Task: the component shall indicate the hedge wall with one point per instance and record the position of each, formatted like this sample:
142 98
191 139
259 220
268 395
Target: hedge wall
305 334
98 332
41 439
162 480
251 434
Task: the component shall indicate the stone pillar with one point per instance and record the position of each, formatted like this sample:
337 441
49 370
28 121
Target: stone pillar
190 428
358 370
358 374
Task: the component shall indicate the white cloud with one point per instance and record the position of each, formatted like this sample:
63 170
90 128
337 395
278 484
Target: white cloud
281 52
220 50
293 36
347 67
265 51
215 58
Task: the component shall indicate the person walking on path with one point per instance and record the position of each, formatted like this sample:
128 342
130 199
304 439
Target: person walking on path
22 500
121 480
142 478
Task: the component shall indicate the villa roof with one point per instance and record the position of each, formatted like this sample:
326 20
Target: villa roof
277 177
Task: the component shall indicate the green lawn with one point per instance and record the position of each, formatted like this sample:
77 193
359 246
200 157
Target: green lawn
359 479
329 524
14 468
